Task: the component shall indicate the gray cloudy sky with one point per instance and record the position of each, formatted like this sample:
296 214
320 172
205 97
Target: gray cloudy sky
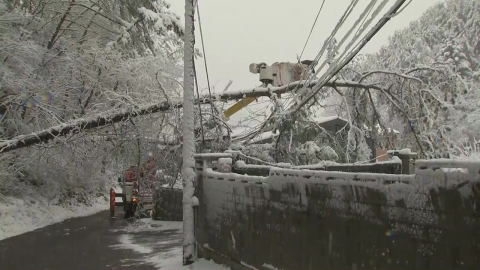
237 33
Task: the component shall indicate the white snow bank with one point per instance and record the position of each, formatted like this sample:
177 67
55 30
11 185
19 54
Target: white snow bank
19 216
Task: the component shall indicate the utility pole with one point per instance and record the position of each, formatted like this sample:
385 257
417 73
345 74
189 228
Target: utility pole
188 172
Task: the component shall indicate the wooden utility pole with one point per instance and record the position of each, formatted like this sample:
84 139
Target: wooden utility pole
188 172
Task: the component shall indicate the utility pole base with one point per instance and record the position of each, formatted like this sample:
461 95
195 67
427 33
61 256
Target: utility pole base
188 260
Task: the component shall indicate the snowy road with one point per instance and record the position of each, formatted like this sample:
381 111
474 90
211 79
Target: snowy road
96 242
93 242
80 243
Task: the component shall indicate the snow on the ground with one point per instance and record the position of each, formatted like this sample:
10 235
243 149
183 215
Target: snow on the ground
165 254
19 216
126 242
147 224
172 260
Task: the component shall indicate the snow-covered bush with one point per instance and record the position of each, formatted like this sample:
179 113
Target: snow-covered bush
311 153
260 151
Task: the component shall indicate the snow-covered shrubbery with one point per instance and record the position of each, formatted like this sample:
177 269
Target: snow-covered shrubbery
468 151
312 153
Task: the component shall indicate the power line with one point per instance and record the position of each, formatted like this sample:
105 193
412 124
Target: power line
212 106
204 55
339 24
357 35
199 105
392 12
311 30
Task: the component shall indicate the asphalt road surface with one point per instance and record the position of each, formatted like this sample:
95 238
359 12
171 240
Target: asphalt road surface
86 243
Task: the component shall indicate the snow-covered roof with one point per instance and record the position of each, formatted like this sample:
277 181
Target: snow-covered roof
264 136
324 119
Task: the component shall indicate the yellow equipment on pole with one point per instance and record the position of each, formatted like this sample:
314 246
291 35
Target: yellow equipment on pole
278 74
238 106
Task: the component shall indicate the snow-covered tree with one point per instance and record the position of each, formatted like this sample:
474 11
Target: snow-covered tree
424 83
69 60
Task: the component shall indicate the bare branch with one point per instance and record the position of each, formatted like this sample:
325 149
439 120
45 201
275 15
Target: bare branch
391 73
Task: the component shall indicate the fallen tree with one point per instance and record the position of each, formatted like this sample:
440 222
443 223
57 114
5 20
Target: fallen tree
76 125
106 118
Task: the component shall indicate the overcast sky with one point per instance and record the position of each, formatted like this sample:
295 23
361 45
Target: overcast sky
238 33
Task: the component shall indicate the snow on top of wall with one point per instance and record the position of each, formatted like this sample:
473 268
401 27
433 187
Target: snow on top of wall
325 176
447 163
406 151
394 159
233 176
327 163
213 156
225 160
319 165
241 164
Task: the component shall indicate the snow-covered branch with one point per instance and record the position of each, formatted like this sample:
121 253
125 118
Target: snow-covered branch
103 119
269 91
100 120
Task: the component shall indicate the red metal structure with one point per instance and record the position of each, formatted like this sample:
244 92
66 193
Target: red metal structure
137 189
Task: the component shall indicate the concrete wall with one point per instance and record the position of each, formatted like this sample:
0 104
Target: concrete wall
168 204
294 220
